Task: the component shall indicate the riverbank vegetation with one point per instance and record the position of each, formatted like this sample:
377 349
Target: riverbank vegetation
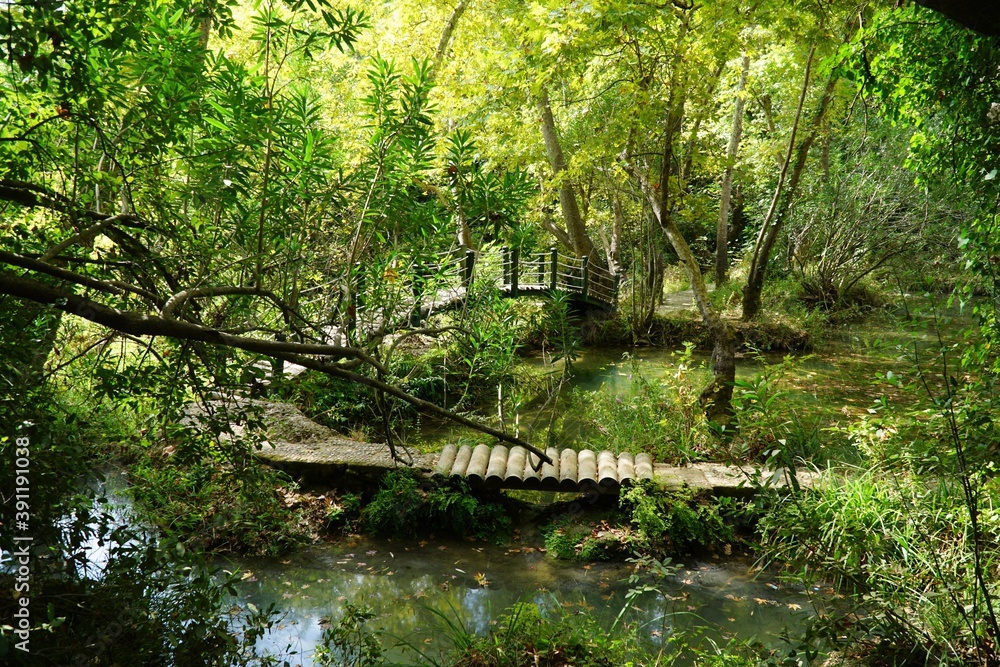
362 212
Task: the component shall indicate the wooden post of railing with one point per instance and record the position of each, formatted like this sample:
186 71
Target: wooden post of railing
417 287
585 266
277 365
514 252
470 264
554 258
505 265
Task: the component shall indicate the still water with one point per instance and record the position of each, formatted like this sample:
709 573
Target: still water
472 584
848 373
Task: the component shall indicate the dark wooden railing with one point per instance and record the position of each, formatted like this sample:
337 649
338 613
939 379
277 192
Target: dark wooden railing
444 281
552 271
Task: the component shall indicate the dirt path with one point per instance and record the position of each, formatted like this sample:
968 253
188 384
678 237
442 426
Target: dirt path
679 302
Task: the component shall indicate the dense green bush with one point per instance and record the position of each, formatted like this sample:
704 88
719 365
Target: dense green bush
766 425
208 506
349 643
566 538
904 550
676 522
661 417
406 505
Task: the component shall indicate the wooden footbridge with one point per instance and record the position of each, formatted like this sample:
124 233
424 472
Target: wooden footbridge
415 288
516 468
544 273
302 447
351 464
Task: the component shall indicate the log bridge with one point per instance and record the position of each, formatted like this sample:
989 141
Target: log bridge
349 463
304 448
516 468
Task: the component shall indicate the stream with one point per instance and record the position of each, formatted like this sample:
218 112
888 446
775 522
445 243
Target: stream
408 584
413 586
418 588
846 375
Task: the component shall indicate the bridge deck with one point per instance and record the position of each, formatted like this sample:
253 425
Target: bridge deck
498 467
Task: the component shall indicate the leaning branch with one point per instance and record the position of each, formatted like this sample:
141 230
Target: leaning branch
35 196
109 287
419 403
137 324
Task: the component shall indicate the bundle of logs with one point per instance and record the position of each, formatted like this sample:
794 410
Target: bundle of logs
516 468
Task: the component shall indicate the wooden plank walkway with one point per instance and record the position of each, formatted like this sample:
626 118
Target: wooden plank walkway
499 467
305 448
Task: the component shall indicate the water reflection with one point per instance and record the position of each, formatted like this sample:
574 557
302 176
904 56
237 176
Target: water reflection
845 375
406 582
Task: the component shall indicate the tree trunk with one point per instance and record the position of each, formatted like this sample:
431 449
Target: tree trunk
780 205
464 233
614 247
722 232
448 33
716 398
573 221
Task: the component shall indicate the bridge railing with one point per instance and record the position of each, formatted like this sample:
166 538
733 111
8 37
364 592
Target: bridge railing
552 270
414 287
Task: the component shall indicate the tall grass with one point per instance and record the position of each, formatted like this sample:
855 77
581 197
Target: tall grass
902 548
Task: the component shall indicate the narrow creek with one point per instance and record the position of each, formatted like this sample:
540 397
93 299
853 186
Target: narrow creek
412 586
407 584
845 375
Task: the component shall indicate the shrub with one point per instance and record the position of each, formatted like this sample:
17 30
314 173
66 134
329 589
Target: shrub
406 505
206 505
675 522
349 643
765 423
903 549
661 417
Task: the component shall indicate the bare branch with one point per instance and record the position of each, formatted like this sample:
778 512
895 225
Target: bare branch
108 287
